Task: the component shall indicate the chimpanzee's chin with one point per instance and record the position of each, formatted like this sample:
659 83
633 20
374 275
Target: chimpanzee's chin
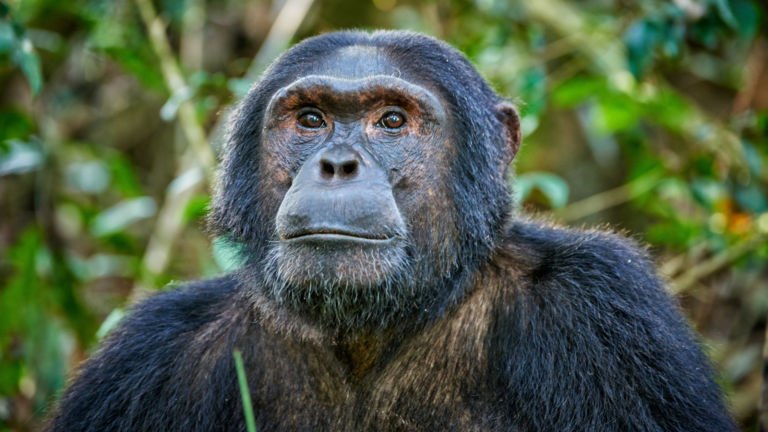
331 259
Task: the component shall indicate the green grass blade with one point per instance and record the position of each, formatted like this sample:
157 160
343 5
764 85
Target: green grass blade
250 421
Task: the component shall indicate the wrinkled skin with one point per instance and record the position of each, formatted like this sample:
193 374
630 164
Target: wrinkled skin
387 285
355 231
360 207
357 251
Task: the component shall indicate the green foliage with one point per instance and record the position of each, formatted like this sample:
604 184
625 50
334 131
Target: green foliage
14 44
242 380
40 320
648 116
120 216
197 208
658 35
553 187
228 255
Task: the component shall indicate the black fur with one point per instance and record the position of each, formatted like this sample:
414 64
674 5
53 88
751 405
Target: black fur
480 193
532 327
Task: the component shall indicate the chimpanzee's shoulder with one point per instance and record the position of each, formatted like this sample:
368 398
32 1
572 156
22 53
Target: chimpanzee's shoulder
577 258
157 354
185 306
588 311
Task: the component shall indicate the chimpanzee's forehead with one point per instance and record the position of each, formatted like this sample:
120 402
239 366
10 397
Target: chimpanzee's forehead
355 62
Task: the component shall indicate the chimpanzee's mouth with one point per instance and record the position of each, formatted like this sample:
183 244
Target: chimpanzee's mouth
333 234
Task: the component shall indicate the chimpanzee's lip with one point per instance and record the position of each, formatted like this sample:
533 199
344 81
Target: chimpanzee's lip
339 235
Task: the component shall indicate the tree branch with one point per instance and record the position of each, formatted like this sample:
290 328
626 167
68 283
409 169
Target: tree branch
174 80
198 155
705 268
611 198
280 34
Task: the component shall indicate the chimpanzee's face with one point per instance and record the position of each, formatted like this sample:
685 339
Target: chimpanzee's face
361 159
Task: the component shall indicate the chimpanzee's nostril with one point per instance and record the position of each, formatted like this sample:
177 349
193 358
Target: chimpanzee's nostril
339 168
349 169
326 169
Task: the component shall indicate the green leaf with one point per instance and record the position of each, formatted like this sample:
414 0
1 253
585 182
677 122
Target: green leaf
576 90
171 107
7 37
124 177
674 234
89 177
669 110
705 31
24 56
616 113
748 17
14 124
120 216
20 300
197 208
751 198
552 186
725 13
708 191
137 65
752 158
533 88
239 86
20 157
228 255
641 39
242 380
103 265
10 374
109 324
186 180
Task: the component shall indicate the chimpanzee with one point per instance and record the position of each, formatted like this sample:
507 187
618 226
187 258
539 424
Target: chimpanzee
387 285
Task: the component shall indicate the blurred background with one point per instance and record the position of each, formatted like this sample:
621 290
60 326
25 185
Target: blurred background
646 116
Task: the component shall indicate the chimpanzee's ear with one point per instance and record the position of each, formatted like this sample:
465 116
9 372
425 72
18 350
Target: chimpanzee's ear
507 114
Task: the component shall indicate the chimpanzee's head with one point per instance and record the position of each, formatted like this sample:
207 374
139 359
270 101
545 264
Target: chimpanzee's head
364 173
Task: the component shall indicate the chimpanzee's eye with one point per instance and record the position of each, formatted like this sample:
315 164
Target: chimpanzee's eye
311 120
392 120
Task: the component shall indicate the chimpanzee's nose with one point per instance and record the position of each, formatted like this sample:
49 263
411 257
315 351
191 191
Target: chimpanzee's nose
340 163
340 189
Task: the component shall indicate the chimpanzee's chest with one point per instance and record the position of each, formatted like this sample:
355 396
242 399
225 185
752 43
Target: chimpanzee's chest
435 379
424 386
404 397
445 403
